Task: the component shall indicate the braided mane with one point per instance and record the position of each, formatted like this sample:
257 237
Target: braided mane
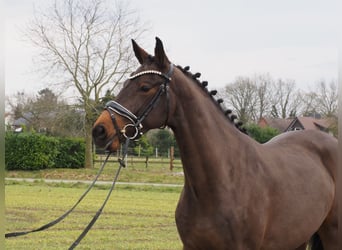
228 113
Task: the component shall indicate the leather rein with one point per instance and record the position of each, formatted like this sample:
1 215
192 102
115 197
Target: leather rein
136 123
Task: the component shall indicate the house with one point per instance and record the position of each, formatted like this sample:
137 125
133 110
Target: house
278 123
300 123
21 122
297 123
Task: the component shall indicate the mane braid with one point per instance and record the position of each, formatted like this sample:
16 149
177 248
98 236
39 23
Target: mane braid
228 113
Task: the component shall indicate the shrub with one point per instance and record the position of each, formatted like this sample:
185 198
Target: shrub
71 153
261 135
143 147
26 151
30 151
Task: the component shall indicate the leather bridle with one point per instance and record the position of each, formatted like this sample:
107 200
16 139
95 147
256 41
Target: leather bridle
135 122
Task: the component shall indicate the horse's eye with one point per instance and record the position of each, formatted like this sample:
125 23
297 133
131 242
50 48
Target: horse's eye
145 88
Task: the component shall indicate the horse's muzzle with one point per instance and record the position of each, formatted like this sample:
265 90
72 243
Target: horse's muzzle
101 138
99 132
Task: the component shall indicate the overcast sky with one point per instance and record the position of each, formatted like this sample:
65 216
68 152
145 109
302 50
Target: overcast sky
293 39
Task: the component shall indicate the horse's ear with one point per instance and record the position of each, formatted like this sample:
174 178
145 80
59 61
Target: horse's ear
140 53
160 56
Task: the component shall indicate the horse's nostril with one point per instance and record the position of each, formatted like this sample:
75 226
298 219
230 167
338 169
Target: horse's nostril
99 132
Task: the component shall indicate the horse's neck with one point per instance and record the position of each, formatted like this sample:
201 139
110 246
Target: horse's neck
210 146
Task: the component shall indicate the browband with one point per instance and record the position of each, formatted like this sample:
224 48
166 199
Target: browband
167 76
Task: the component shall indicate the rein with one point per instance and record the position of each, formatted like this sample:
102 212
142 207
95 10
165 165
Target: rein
136 122
54 222
98 213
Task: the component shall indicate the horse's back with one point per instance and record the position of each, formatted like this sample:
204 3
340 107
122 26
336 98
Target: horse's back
310 143
304 174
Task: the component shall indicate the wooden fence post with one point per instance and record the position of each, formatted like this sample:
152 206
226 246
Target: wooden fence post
171 157
146 161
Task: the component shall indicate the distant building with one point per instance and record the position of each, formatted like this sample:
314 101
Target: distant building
278 123
300 123
297 123
21 122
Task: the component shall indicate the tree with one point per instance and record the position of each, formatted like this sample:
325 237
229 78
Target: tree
69 122
143 147
327 98
322 101
309 104
17 105
36 110
250 96
46 112
86 45
162 139
242 96
264 90
109 96
45 109
286 99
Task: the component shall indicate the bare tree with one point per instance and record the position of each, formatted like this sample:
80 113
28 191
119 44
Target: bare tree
322 100
86 45
260 95
286 100
46 112
17 105
327 98
264 90
250 96
309 103
242 96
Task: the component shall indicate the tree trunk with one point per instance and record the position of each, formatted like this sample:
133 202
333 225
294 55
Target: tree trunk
88 163
88 147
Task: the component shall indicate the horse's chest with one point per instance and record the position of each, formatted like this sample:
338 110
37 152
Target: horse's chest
201 228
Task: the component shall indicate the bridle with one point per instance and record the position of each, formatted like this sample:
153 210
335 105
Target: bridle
135 122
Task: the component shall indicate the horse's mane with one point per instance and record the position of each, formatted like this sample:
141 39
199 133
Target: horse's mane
227 112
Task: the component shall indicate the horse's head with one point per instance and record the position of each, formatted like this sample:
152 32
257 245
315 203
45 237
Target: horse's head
142 104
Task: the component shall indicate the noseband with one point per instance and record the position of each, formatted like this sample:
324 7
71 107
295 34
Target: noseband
135 122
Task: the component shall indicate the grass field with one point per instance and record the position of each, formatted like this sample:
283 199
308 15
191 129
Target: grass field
158 171
134 218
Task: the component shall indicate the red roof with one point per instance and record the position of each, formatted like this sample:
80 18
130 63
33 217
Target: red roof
311 123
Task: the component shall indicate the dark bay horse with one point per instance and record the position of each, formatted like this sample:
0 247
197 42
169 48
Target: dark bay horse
238 194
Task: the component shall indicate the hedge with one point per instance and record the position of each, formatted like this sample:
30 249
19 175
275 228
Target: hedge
31 151
71 153
261 135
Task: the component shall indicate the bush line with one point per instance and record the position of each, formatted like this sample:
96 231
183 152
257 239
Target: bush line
32 151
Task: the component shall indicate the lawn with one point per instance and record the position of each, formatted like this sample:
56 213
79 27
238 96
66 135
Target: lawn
158 171
134 218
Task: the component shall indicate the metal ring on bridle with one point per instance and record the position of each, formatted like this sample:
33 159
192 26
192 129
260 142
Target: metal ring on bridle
136 134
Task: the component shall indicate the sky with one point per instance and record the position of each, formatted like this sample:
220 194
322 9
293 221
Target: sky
293 39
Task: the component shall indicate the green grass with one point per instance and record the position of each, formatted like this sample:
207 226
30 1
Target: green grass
134 218
157 172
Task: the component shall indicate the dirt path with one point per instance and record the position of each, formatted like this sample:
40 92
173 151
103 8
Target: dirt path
88 182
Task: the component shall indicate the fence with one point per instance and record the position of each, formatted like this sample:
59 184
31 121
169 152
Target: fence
148 161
